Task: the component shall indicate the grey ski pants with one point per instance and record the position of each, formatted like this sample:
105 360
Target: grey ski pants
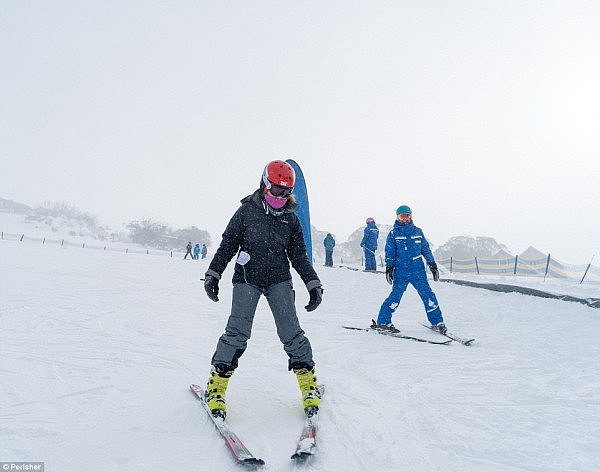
280 297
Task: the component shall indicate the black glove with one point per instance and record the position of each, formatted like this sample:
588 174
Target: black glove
389 274
316 295
211 285
434 271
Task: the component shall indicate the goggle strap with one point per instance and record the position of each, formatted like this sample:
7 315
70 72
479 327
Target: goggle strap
266 180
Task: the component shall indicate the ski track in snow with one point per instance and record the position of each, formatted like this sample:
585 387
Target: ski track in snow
98 350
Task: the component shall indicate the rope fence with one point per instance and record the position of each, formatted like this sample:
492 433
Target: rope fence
104 247
519 266
515 266
546 267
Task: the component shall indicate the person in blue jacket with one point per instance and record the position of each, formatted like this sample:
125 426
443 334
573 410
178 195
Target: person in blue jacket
405 249
196 251
369 244
329 244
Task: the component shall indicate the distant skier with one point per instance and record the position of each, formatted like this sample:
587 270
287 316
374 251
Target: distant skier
266 234
196 251
369 244
203 251
404 249
329 244
188 250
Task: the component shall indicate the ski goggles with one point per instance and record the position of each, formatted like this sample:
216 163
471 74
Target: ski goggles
278 191
404 216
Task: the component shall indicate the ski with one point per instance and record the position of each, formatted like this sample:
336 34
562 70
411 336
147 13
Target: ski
351 268
307 442
453 337
240 453
399 335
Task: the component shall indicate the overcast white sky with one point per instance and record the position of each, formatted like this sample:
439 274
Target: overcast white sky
483 116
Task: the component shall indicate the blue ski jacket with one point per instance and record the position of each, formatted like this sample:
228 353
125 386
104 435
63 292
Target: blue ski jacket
329 243
370 235
404 246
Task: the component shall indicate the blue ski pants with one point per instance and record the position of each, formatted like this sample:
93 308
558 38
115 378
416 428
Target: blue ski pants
370 263
329 258
420 283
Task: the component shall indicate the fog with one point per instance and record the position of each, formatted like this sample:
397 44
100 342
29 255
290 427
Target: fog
484 117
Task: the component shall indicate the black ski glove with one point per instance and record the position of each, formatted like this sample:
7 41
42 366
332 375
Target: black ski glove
389 275
434 271
316 295
211 285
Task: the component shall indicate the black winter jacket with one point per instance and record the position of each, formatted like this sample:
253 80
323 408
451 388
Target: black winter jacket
270 240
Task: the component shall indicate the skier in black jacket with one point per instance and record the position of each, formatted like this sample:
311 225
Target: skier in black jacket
188 250
266 235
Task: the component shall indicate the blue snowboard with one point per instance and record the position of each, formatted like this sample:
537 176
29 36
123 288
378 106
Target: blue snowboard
303 207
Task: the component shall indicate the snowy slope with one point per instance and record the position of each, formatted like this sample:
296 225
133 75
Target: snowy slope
98 350
50 228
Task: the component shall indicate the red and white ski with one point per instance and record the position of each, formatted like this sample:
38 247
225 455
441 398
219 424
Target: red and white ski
240 452
307 442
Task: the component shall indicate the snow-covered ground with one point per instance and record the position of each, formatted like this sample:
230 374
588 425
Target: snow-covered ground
98 349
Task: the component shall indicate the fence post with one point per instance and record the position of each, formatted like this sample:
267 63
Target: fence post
547 264
126 250
450 264
104 248
476 265
171 253
44 241
83 246
62 242
147 251
22 236
2 234
516 259
587 268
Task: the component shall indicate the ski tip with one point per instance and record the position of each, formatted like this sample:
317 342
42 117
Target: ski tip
252 463
301 456
355 328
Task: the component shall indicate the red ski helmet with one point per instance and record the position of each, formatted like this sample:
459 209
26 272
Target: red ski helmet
369 219
279 173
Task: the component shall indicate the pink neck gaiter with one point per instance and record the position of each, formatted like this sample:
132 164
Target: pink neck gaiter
275 202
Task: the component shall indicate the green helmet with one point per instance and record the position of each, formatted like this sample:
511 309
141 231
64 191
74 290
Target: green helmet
403 210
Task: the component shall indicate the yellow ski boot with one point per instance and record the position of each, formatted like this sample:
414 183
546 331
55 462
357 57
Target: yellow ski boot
311 397
215 391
